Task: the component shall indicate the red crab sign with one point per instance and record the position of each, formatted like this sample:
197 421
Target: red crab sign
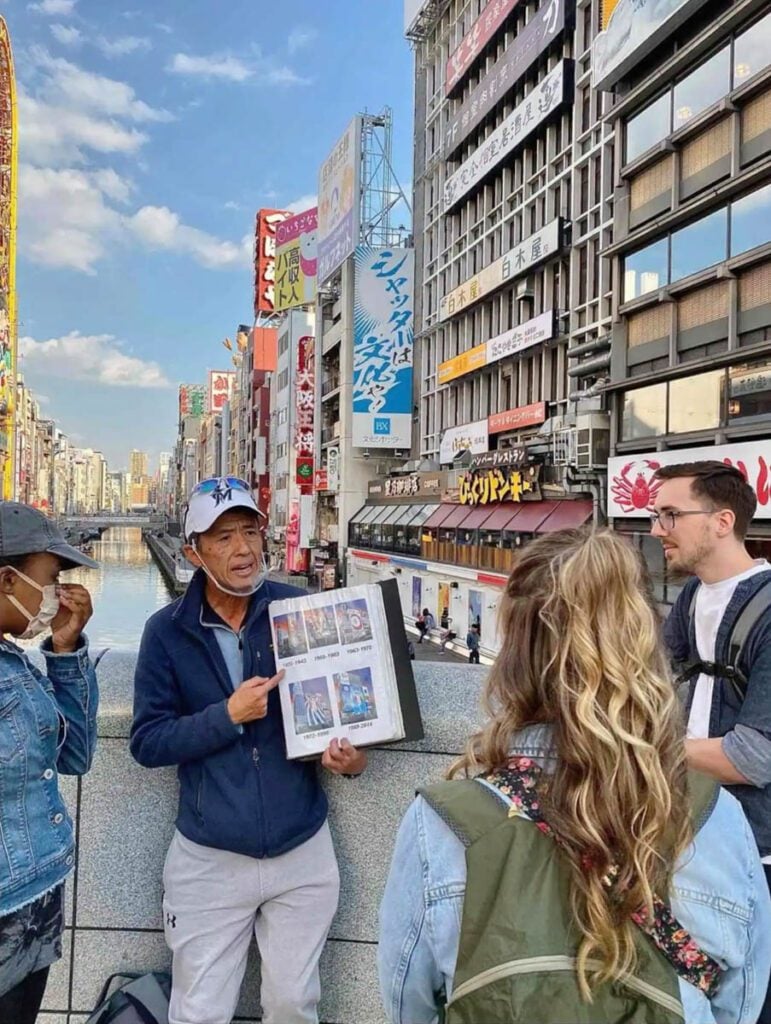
632 489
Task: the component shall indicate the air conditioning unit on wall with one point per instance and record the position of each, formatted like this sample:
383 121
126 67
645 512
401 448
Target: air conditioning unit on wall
592 441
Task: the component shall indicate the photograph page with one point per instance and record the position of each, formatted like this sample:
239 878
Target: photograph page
340 676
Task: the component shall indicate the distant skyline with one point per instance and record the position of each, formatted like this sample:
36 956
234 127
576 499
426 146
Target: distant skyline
149 137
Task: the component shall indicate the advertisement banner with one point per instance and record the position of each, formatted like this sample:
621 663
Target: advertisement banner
333 469
529 253
296 261
539 104
475 40
221 384
470 437
266 224
632 490
192 400
305 403
382 347
474 359
635 28
517 59
513 419
320 480
532 332
487 486
338 209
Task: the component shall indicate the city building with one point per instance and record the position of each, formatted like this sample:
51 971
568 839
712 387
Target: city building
90 492
512 208
690 372
140 482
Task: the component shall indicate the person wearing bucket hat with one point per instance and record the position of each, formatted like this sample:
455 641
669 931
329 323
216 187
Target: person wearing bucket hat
252 852
47 728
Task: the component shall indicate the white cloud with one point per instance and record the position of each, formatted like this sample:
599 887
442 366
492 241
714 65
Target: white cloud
302 204
160 228
97 358
230 68
122 46
67 35
282 75
299 38
232 205
53 8
115 187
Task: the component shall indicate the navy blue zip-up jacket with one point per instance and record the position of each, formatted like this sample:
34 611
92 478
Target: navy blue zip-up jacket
745 725
238 791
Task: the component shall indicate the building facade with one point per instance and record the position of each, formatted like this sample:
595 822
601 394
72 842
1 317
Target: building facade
690 371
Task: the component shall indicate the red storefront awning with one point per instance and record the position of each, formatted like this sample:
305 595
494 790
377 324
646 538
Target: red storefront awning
457 517
501 515
532 514
438 516
568 515
478 515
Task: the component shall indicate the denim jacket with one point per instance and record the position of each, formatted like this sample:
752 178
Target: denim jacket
47 726
745 725
720 895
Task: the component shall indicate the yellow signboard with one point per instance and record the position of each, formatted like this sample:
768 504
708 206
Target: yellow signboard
296 261
474 359
8 317
489 486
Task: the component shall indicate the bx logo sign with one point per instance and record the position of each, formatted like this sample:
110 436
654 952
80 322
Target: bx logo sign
381 425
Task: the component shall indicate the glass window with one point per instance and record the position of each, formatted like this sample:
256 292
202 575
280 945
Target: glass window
645 412
645 270
751 50
694 402
750 219
707 84
749 392
699 245
648 127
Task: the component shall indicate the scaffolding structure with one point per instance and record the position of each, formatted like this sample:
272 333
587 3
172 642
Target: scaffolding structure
380 191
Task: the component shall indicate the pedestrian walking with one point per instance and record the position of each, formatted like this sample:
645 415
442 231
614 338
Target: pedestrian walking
472 642
719 633
47 729
567 871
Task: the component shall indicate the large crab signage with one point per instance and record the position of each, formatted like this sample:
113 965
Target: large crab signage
632 489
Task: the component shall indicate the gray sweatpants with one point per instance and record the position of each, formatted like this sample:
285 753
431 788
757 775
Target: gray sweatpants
214 900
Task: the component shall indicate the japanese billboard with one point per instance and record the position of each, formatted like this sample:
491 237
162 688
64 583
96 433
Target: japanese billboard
266 225
221 384
192 400
382 347
529 253
338 210
539 104
305 400
470 437
475 40
513 419
632 490
296 261
488 486
8 315
634 29
515 61
523 336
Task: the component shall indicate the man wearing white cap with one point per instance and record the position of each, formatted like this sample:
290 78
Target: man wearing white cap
252 851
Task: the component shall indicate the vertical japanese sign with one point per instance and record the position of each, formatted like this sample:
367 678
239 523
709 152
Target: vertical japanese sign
475 40
382 347
221 384
8 321
266 225
192 400
305 400
296 261
338 210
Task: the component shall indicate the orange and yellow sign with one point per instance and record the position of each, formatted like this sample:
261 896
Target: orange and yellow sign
474 359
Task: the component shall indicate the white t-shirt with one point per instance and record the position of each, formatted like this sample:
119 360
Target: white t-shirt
712 600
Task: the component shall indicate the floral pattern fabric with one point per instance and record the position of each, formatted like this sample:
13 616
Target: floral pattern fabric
518 782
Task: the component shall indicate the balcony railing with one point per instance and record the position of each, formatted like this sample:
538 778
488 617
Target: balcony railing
329 384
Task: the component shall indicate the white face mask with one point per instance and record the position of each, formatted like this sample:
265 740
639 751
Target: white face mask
247 591
46 613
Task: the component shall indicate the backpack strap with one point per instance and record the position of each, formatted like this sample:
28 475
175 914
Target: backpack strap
467 807
703 793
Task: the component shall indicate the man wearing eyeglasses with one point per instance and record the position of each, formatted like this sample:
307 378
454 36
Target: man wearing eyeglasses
701 515
252 852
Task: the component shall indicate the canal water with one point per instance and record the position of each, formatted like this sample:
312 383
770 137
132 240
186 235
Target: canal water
126 589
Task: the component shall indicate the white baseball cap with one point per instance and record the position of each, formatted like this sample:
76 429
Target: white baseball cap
213 497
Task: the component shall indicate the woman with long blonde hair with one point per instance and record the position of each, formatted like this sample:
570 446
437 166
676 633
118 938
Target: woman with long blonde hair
595 880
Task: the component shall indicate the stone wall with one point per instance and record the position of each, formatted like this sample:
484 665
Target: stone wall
124 816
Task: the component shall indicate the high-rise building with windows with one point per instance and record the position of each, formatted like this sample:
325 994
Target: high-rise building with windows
689 104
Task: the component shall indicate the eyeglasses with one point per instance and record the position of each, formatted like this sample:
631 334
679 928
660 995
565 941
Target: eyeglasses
668 520
218 483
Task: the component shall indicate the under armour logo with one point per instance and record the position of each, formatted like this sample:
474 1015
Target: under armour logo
171 920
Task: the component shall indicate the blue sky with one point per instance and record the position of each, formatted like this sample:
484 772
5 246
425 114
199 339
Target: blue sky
151 132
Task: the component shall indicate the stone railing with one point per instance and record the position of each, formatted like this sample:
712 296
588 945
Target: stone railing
125 819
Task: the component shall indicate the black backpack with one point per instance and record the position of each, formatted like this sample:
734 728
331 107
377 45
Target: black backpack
746 621
144 999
